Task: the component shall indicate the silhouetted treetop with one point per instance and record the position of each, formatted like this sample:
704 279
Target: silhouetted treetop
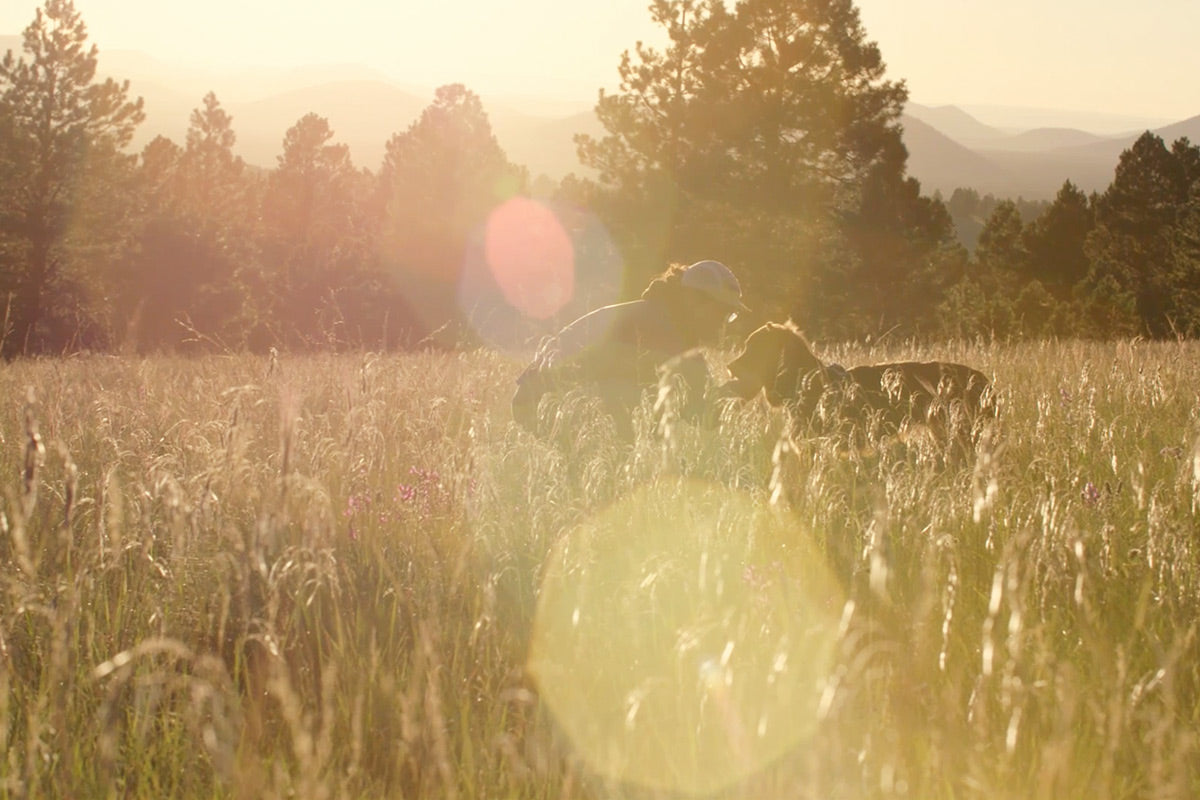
63 133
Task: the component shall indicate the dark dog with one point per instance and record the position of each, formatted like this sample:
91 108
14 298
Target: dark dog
888 398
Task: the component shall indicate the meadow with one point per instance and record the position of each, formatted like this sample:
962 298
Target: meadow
351 576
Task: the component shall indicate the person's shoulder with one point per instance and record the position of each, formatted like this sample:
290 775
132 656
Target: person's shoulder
606 317
594 328
618 309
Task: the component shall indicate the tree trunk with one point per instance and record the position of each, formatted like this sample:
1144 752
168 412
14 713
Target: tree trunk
25 338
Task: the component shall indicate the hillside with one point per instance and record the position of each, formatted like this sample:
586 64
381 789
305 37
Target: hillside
942 164
1111 149
955 123
545 144
364 110
1044 139
948 147
363 114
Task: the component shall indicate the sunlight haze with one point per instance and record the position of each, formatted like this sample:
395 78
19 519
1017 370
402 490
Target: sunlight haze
1073 55
1078 55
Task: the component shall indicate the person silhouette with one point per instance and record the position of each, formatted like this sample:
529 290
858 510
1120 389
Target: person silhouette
615 351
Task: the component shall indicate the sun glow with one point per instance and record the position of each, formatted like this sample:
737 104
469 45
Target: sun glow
532 266
531 257
684 637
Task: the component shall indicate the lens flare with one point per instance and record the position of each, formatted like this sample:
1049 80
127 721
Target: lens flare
683 637
531 257
531 267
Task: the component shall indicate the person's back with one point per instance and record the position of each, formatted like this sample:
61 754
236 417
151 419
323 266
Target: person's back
614 352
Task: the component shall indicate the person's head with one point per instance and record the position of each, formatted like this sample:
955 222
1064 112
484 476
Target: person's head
701 297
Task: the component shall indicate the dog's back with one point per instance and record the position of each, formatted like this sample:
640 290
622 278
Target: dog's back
913 388
946 398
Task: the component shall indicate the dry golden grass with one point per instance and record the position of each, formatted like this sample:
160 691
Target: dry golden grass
352 577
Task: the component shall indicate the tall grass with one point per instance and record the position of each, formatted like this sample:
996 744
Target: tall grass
352 576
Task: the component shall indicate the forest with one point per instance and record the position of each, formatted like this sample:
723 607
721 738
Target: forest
765 139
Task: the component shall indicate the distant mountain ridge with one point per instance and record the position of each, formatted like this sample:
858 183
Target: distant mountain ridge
1032 164
949 148
953 122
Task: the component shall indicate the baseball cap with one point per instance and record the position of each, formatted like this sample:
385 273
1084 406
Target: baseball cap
717 281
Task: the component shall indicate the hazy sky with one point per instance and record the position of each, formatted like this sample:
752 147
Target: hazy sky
1087 55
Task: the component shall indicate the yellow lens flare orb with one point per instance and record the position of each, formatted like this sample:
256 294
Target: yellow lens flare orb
683 637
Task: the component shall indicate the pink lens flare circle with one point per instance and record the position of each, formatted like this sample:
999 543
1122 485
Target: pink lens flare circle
531 257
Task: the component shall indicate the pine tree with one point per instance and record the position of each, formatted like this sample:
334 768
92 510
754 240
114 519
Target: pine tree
214 186
780 103
193 278
1001 247
1184 244
1135 223
1055 241
317 236
765 135
61 197
985 300
440 179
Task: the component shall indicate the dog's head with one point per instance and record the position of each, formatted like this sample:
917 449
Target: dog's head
777 359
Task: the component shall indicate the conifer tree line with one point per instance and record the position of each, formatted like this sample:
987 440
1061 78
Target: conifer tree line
764 134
